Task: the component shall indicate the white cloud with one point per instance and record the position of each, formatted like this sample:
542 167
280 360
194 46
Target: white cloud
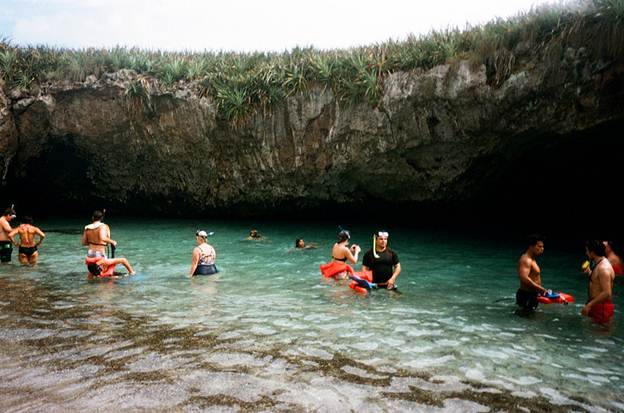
243 25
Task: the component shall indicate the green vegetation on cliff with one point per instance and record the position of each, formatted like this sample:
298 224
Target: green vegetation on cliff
243 83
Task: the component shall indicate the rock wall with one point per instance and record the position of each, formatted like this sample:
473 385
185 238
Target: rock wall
441 137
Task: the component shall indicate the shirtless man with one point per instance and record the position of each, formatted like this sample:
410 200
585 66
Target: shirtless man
599 305
614 255
6 246
96 236
529 274
28 253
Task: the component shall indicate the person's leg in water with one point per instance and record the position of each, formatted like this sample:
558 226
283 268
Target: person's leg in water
23 259
33 258
122 261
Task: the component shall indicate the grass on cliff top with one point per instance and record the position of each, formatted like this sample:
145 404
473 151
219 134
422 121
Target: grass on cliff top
243 83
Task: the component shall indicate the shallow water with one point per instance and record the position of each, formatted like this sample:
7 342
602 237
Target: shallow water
267 334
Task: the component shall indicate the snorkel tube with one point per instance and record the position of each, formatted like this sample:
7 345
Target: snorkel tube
375 246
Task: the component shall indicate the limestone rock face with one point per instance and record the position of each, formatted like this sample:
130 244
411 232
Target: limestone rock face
437 137
8 135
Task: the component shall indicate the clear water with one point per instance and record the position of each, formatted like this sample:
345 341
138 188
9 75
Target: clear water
268 334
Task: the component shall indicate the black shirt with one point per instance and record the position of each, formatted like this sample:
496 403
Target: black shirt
383 266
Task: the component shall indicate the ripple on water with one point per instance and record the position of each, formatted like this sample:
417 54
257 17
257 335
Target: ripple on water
24 334
237 359
132 396
423 362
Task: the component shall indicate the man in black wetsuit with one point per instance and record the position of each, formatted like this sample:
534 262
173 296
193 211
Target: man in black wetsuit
382 261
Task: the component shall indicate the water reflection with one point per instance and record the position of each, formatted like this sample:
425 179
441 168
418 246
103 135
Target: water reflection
274 336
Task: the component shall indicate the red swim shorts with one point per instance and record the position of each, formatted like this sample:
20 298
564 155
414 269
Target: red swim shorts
601 313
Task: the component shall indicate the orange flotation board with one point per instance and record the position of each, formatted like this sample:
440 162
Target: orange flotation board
331 269
555 298
99 270
362 282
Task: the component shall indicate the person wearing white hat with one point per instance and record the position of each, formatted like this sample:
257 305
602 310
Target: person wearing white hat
204 256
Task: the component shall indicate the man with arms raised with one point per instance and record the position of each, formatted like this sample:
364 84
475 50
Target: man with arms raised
599 305
6 246
28 253
382 261
530 275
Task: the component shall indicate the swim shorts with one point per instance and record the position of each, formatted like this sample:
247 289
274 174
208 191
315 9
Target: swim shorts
526 299
6 248
601 313
27 251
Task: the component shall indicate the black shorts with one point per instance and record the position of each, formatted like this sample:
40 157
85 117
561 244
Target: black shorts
206 269
27 251
6 249
526 299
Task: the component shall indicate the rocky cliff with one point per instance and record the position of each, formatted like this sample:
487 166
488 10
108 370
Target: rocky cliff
451 137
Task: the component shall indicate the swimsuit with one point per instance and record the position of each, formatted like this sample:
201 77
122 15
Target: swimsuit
6 248
206 265
526 299
206 269
27 251
601 313
340 259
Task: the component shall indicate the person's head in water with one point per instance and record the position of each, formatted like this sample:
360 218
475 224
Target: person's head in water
254 233
381 240
536 244
344 235
299 243
595 249
9 214
27 220
97 216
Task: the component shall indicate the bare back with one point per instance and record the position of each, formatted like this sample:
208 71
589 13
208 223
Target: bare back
27 235
94 236
601 279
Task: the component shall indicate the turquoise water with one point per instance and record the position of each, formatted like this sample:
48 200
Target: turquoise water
268 334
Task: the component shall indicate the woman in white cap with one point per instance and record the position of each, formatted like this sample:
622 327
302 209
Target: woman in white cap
204 256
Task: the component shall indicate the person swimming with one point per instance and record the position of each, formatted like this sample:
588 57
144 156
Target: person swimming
254 235
301 245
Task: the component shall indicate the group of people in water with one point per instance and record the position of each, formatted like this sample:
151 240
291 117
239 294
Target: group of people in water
380 264
603 265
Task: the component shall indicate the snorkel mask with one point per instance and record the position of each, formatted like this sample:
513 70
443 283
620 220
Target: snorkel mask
383 234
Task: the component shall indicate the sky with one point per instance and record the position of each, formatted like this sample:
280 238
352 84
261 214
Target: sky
238 25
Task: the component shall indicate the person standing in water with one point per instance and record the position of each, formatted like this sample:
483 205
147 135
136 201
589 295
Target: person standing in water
530 275
6 246
382 261
28 253
341 253
96 236
204 256
614 254
599 305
